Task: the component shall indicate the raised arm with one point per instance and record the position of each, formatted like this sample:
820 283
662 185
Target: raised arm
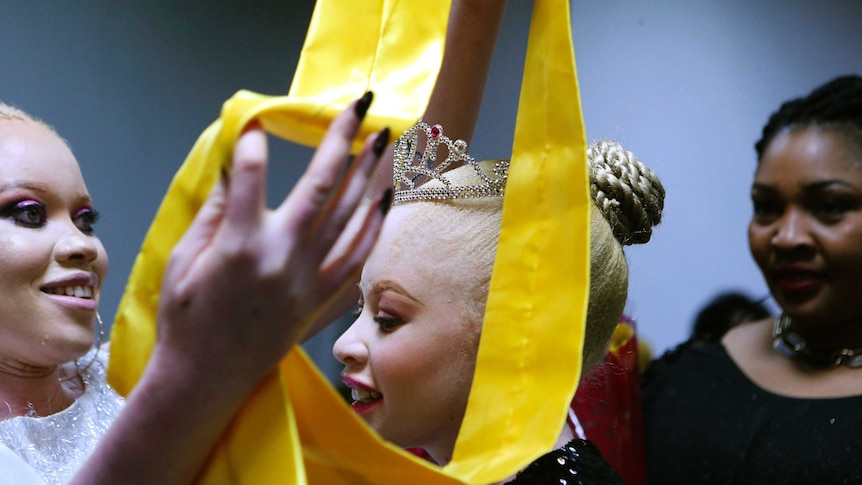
471 35
474 26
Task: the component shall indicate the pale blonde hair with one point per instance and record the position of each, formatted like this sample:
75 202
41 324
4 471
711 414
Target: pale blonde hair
11 113
467 229
629 200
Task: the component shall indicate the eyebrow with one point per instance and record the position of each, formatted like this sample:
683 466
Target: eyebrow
40 188
389 285
16 184
823 184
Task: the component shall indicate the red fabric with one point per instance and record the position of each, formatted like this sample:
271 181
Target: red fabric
608 406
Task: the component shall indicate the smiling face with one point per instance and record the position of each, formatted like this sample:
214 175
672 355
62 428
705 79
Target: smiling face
51 263
806 231
410 355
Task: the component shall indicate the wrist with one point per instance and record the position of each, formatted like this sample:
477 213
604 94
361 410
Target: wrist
207 381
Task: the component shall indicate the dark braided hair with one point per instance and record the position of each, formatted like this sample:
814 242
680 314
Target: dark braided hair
836 104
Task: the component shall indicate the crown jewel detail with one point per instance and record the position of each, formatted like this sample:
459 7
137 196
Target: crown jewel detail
412 169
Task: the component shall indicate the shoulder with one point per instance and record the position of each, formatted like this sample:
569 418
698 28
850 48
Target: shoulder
749 340
692 349
578 459
690 357
688 378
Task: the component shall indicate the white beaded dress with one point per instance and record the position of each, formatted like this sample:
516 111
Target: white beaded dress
56 446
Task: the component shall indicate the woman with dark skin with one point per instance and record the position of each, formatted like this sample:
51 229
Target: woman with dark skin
777 400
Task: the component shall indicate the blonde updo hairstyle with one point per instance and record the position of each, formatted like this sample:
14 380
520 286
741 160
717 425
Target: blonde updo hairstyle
628 198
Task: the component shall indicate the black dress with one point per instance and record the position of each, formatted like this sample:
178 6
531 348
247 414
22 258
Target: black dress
579 462
707 423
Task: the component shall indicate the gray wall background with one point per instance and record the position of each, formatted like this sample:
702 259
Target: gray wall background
686 85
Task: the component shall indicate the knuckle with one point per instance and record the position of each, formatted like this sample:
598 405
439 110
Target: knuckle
319 189
249 164
240 251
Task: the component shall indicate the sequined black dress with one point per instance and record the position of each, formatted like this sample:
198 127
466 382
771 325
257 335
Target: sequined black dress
707 423
579 462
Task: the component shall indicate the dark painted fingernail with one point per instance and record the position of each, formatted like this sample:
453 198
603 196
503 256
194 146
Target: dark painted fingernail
386 201
381 142
362 104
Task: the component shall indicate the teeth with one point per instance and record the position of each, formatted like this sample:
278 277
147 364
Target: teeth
76 291
362 395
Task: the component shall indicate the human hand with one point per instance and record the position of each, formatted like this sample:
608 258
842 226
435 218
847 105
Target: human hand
245 282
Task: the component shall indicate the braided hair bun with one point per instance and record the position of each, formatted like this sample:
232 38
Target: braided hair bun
626 191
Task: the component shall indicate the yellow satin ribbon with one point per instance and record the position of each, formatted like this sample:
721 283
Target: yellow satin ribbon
295 429
338 63
529 358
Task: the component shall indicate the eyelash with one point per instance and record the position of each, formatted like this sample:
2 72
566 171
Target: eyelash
26 207
828 211
90 217
832 209
84 219
358 309
388 324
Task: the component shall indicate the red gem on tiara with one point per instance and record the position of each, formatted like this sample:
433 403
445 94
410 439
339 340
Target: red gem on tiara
412 168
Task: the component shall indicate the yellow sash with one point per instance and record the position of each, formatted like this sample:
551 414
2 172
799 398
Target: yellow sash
295 429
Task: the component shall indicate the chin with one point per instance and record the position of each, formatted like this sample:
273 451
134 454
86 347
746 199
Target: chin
73 346
396 439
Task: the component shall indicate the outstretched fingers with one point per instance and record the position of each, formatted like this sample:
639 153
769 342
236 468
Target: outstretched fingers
316 186
341 268
348 254
354 185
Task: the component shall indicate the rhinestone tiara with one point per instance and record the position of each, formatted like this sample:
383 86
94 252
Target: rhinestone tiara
414 172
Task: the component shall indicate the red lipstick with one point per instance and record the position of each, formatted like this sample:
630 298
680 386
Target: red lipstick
365 398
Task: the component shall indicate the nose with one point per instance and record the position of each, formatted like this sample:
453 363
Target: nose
350 349
792 231
75 247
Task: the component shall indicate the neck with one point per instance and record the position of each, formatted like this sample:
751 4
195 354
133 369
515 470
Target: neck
794 344
27 390
440 457
829 335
